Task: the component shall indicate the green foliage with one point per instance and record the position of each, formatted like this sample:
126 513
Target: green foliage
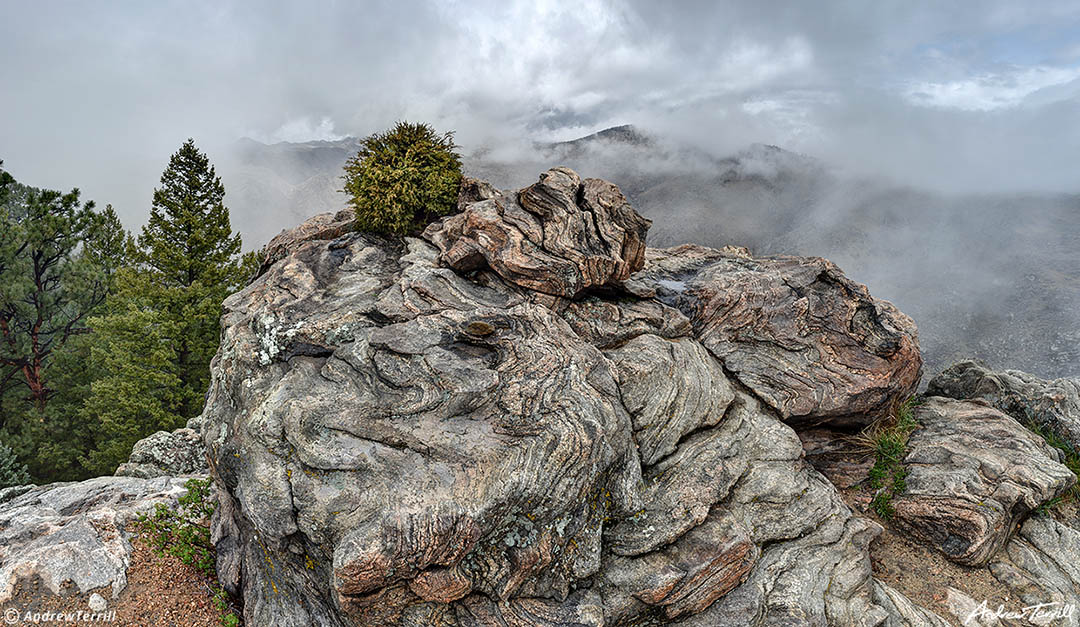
12 472
160 327
184 533
888 477
1072 462
138 390
402 179
191 259
56 259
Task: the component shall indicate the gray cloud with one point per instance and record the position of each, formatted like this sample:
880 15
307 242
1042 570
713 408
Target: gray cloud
956 98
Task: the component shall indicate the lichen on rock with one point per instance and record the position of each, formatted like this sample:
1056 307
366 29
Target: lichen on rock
519 419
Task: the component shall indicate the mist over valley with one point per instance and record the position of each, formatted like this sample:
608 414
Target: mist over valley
991 276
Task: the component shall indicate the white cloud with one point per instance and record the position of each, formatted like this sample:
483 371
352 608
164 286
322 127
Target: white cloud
990 91
303 129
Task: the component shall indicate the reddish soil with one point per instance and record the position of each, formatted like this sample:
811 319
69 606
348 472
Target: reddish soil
161 591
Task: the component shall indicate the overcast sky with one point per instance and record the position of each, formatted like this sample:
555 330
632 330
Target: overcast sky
985 97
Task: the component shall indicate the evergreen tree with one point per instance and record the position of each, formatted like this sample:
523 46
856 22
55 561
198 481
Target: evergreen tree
12 472
193 257
140 390
56 259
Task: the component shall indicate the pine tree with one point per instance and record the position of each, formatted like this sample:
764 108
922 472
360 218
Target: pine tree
57 262
139 390
191 252
56 259
188 238
12 472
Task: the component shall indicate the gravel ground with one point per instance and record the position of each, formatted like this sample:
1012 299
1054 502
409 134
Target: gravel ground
918 571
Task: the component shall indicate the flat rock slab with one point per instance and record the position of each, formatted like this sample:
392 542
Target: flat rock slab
1050 404
75 531
973 474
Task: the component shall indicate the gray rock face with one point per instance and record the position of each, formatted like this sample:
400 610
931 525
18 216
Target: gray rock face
75 531
810 342
398 443
901 611
1052 405
973 474
325 226
1042 565
165 454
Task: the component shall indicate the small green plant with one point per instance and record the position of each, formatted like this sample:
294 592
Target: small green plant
184 533
12 472
1071 460
888 441
402 179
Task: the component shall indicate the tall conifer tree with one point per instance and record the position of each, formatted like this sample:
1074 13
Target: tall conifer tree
193 258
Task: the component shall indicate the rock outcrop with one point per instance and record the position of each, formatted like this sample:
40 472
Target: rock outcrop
167 454
526 418
973 474
75 532
803 337
1053 405
560 236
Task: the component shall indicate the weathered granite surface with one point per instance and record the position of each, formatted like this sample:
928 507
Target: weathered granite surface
166 454
1053 405
76 531
502 423
973 474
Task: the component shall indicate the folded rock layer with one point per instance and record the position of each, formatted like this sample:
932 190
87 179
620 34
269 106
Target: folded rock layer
524 418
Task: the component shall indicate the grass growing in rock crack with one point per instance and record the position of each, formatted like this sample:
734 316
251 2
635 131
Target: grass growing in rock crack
887 440
1071 460
184 533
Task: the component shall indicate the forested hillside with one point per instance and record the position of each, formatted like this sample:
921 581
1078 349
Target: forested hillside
106 336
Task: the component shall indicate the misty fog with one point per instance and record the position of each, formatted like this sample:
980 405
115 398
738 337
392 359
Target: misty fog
929 149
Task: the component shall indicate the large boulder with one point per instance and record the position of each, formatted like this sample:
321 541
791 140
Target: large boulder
559 236
810 342
76 532
497 425
1053 405
166 454
973 473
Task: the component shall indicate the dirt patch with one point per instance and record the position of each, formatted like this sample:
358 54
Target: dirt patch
161 591
918 571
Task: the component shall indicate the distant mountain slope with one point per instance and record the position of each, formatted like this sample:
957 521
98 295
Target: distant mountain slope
996 277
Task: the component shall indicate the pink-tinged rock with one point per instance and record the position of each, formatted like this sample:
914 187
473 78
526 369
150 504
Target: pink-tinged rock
560 236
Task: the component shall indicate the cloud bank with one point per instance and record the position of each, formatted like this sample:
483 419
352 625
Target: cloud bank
953 98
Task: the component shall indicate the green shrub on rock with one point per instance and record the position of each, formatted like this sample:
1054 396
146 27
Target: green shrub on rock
12 472
402 179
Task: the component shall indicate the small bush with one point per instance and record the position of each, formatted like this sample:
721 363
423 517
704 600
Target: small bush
12 472
185 533
402 179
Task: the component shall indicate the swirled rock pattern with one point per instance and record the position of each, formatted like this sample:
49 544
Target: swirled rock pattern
809 341
559 236
499 425
1053 405
973 474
